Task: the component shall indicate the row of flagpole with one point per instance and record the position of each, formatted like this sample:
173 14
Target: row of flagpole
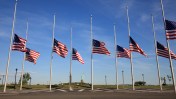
115 56
10 47
132 74
52 52
62 52
22 70
129 31
91 35
70 59
158 67
19 44
168 46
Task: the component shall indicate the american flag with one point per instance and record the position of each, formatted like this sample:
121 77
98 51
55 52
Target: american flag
163 51
77 56
60 48
18 43
135 47
170 30
123 52
99 47
32 55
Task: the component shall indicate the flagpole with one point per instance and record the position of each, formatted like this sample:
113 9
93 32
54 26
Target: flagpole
70 59
91 37
52 53
115 56
9 54
168 46
132 76
21 85
158 67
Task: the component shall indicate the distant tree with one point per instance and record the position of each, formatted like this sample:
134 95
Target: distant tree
26 78
169 78
139 83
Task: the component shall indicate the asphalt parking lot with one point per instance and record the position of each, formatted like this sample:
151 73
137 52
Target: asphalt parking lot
87 94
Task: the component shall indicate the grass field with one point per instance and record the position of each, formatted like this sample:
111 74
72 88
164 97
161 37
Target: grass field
86 86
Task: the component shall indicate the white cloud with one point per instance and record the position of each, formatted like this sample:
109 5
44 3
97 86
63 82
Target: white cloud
156 7
3 34
128 3
145 17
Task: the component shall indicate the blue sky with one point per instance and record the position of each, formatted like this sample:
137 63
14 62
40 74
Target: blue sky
76 14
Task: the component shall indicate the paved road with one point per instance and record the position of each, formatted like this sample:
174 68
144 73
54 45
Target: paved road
87 94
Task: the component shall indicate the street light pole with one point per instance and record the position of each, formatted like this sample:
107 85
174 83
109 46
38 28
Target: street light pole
30 81
3 79
123 77
15 77
105 80
0 78
143 77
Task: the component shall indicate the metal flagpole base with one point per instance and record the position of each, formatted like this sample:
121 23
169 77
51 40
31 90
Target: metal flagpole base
70 88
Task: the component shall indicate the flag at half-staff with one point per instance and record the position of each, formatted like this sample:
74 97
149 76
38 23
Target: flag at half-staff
31 55
163 51
170 30
60 48
18 43
135 47
99 47
122 52
77 56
